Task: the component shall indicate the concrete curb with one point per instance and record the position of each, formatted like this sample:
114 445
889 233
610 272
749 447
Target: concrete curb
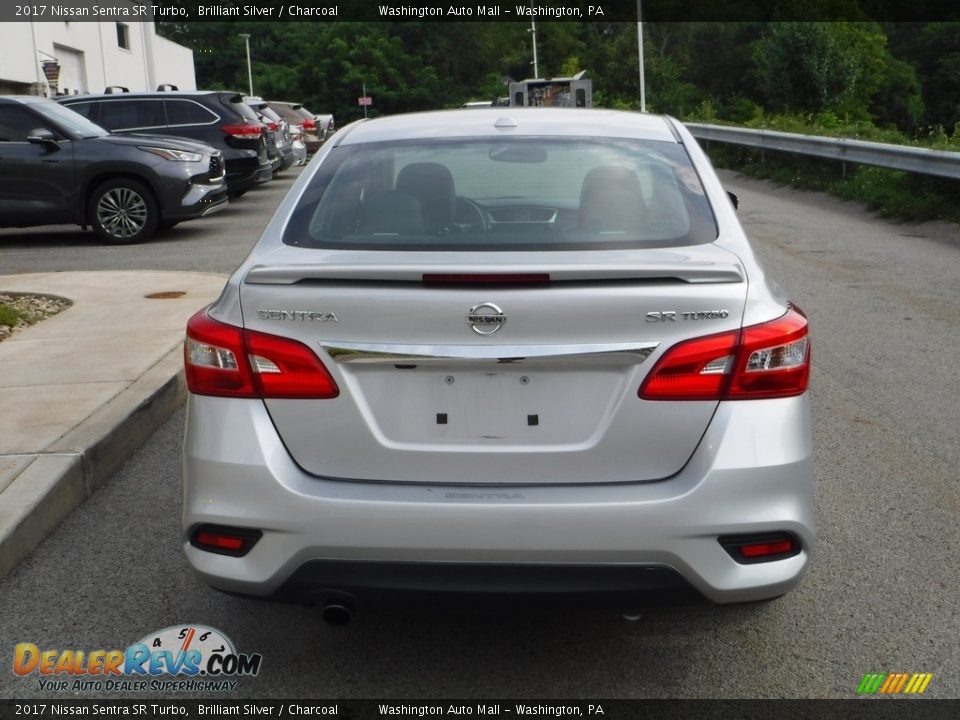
51 485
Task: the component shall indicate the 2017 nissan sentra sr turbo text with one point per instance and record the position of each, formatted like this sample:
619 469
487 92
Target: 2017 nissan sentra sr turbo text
504 351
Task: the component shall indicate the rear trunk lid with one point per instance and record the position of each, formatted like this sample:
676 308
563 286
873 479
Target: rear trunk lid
480 383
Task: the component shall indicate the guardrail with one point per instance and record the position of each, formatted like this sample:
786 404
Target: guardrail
898 157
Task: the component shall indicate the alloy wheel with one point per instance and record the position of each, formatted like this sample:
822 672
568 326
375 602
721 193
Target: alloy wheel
122 212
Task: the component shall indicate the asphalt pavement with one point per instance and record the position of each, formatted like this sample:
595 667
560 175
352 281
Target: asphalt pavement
881 595
212 244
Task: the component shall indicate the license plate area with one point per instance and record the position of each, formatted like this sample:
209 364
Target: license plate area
484 404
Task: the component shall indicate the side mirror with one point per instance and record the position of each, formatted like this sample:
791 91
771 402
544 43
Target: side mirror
42 136
733 199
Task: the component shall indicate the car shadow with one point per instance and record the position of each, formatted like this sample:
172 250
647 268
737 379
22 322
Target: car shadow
70 236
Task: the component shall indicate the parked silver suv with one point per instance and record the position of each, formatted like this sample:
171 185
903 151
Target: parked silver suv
520 350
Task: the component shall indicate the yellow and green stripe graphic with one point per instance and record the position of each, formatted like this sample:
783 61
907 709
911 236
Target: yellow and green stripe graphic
894 683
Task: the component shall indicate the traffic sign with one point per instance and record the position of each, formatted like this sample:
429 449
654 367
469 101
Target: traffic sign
363 101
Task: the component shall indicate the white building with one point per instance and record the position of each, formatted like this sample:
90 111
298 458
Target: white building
88 56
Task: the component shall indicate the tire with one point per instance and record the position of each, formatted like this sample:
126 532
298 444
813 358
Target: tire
123 211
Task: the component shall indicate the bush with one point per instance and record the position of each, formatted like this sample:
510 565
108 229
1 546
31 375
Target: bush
9 316
891 193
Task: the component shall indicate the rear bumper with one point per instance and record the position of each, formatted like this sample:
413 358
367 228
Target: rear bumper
237 472
484 584
265 171
287 157
241 172
299 153
200 200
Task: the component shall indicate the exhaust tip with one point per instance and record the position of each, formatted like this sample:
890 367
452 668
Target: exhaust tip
337 614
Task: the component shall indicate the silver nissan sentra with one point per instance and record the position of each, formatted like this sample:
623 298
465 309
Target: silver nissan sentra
505 351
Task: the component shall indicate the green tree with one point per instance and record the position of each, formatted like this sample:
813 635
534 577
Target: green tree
933 50
820 67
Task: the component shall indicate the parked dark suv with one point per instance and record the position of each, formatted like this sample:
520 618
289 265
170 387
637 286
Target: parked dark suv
58 167
220 119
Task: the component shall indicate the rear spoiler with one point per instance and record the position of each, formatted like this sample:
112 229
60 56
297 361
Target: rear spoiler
686 271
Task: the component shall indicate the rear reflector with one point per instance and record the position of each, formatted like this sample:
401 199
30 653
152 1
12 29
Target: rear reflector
224 540
226 361
747 549
767 549
769 360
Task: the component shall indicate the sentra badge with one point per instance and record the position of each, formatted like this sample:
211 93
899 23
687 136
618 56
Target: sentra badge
302 315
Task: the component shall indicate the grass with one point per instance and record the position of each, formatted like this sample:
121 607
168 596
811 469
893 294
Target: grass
891 193
9 316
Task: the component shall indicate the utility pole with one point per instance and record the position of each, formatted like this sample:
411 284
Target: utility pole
533 35
246 37
364 99
643 84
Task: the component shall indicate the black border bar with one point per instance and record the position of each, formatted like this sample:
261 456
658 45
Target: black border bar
475 10
215 707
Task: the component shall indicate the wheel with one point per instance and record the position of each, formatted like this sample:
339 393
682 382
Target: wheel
123 211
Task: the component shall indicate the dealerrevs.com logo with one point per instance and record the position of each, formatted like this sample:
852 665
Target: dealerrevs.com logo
187 658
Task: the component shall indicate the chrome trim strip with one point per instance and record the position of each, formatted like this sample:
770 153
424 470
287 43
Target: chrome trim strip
389 353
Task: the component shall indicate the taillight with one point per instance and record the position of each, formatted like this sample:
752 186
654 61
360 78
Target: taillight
243 130
227 361
272 126
769 360
286 368
696 369
309 124
774 359
214 359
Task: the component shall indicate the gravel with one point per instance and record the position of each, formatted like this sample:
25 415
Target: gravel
31 309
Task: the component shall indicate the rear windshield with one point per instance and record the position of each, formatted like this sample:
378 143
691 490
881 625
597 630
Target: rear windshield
290 115
521 194
237 103
269 113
